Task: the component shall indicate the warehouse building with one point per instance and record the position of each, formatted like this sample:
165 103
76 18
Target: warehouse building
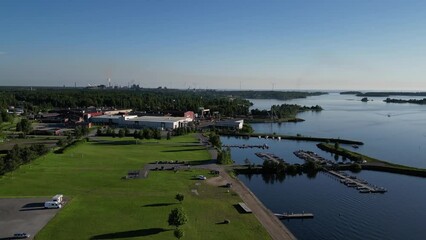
133 121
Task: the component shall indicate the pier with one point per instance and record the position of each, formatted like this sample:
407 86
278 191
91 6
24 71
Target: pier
294 215
350 181
269 156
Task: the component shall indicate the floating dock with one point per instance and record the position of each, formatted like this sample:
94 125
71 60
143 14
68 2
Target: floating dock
350 181
294 215
269 156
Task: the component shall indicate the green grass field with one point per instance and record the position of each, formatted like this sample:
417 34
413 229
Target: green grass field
103 206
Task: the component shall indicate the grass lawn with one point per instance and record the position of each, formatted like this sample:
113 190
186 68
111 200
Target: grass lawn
103 206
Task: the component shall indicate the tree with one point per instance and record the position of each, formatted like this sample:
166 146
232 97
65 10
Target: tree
179 197
24 125
147 133
61 142
336 145
177 217
121 133
215 140
136 134
126 131
179 233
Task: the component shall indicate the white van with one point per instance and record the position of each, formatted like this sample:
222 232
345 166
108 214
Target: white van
52 204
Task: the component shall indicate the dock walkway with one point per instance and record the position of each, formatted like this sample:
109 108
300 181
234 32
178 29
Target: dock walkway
269 156
350 181
294 215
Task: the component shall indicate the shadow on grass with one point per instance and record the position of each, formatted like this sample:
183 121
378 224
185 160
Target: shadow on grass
130 234
239 209
184 150
201 162
118 143
222 222
158 204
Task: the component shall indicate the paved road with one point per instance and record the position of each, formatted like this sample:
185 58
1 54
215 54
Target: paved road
23 215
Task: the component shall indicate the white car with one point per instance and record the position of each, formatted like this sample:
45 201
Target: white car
201 177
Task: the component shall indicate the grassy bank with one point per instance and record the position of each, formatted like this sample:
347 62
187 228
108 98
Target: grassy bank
373 163
103 206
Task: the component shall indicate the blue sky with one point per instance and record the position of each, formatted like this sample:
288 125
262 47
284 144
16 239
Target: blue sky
222 44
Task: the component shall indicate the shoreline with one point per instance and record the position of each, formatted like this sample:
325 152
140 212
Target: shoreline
276 229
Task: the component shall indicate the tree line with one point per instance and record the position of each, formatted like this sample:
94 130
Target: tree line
227 103
4 116
148 100
20 155
413 101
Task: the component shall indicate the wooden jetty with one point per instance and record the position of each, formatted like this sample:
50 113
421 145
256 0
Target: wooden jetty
269 156
294 215
361 185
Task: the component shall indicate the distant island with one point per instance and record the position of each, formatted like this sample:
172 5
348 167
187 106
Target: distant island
383 94
281 113
350 93
414 101
279 95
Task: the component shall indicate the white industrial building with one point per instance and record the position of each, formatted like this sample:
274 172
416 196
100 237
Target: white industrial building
133 121
231 123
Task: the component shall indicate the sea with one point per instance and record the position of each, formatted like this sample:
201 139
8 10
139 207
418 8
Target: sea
392 132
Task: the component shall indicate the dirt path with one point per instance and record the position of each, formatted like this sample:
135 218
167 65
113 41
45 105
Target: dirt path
272 224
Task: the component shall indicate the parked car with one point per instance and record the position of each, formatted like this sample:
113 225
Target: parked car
201 177
21 235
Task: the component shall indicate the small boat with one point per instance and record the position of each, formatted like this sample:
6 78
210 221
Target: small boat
355 146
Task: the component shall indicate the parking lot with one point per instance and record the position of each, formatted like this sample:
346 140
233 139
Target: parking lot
23 215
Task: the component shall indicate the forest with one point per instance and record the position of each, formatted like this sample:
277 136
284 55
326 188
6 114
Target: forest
227 103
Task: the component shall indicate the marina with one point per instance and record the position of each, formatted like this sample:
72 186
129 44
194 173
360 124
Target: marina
350 181
334 204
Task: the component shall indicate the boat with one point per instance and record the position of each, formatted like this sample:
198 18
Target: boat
355 146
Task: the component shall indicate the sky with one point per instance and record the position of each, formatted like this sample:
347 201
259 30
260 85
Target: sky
215 44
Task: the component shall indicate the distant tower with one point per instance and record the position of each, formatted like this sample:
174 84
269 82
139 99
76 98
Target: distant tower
109 82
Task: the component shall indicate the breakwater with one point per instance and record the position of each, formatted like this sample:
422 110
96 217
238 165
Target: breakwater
369 163
290 137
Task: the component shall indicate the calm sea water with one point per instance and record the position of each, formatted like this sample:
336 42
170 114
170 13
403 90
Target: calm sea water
392 132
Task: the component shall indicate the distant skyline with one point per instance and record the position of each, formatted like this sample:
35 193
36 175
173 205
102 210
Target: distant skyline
215 44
